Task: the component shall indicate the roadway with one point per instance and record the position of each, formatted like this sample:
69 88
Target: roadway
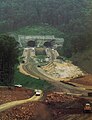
8 105
31 68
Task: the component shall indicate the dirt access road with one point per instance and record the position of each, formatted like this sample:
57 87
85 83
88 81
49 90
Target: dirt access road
8 105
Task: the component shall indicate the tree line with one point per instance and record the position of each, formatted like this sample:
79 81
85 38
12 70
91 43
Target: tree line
9 53
72 17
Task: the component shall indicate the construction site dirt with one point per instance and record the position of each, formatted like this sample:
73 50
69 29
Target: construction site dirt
54 106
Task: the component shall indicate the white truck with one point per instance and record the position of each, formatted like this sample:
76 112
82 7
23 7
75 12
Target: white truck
38 92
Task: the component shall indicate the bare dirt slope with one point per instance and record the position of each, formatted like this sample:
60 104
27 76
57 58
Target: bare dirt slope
86 80
55 106
7 95
29 111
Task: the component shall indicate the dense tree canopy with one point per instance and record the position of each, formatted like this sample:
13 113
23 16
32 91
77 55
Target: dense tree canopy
8 58
72 17
63 13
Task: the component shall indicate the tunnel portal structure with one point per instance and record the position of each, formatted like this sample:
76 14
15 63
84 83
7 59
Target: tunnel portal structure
40 40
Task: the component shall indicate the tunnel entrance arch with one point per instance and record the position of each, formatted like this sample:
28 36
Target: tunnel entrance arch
48 44
31 43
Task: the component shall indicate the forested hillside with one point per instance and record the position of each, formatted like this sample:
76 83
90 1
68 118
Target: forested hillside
72 17
61 13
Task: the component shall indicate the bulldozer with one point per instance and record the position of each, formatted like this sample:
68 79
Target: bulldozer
87 108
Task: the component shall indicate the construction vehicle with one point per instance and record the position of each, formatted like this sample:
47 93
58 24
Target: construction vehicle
38 92
87 108
19 86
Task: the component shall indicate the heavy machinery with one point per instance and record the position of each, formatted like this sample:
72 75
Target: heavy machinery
38 92
87 108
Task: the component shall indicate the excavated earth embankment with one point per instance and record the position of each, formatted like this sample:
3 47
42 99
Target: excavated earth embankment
55 106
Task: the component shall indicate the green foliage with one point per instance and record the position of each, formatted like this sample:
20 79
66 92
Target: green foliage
84 60
32 83
8 58
79 30
40 30
71 17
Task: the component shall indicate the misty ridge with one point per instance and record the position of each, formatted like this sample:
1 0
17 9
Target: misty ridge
71 17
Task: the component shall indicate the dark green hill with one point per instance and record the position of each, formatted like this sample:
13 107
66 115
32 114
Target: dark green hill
71 17
39 30
84 60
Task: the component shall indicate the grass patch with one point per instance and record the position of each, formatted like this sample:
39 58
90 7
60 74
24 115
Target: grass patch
41 59
30 82
39 30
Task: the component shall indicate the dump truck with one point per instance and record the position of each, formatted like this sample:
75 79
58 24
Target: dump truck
87 108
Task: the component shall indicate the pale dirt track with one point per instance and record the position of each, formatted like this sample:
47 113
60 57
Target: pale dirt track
24 72
8 105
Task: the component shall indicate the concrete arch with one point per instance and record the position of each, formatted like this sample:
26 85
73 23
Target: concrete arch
48 44
31 43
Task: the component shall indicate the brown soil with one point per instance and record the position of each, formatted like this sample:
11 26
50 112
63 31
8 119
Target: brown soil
65 104
86 80
55 106
29 111
7 95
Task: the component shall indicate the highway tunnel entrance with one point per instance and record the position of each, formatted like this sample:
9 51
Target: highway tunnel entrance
31 43
48 44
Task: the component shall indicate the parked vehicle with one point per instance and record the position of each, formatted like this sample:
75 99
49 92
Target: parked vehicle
18 85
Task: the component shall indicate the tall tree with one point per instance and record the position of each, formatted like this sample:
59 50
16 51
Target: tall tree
8 58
